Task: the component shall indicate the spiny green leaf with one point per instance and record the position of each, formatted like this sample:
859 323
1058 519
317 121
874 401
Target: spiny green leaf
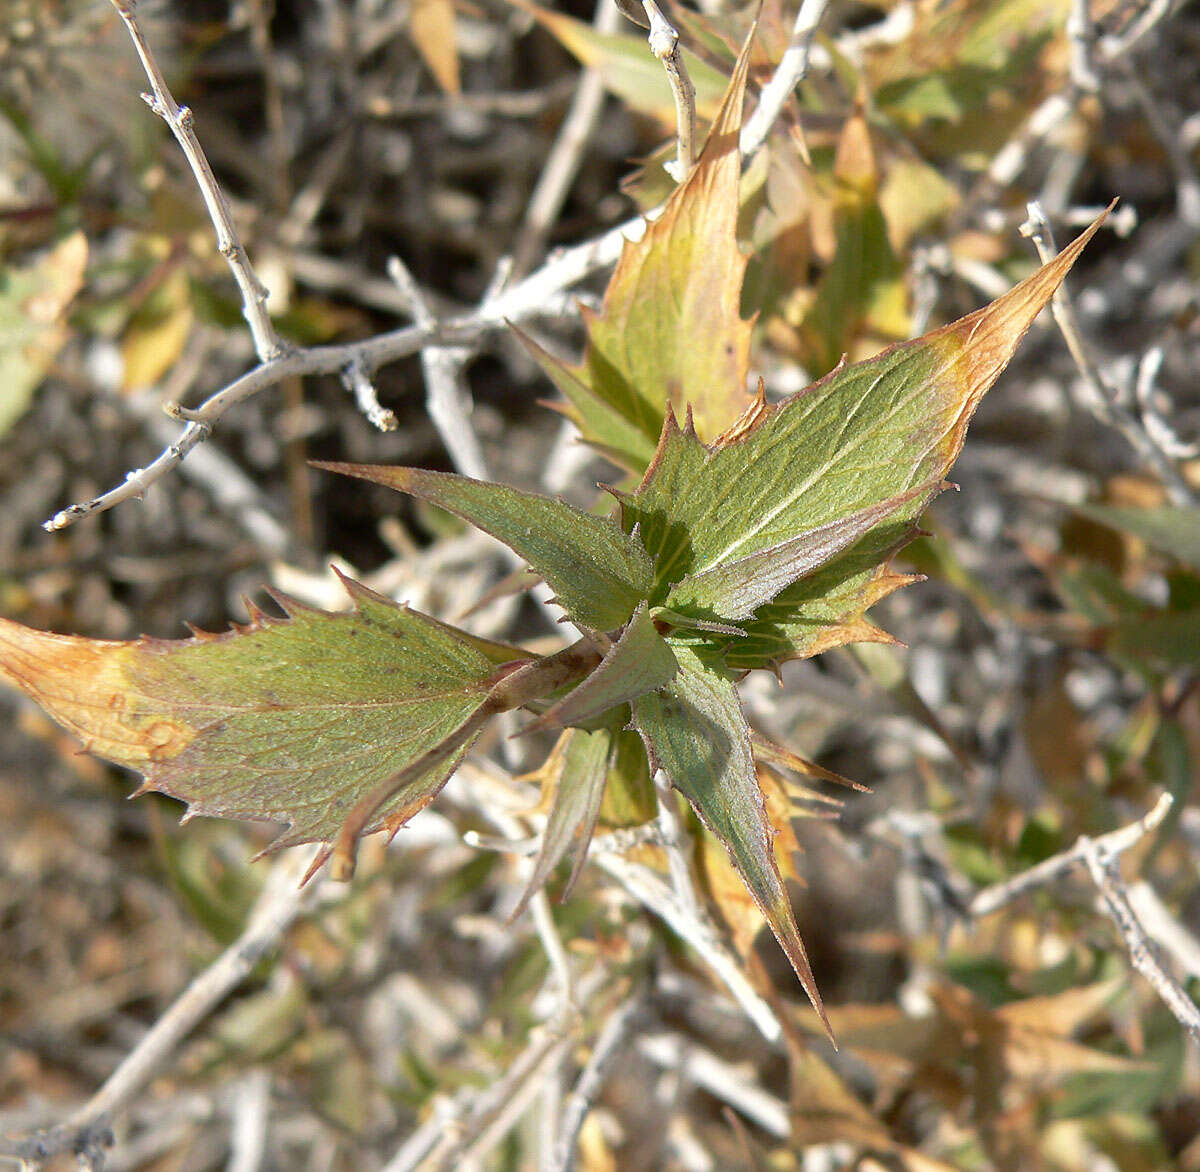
670 330
637 663
696 733
863 435
622 438
736 589
291 720
598 573
582 762
1172 529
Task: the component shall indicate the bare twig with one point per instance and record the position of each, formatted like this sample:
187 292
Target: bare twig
1081 34
447 398
179 118
1159 429
442 1140
610 1044
1103 401
1170 935
462 1131
88 1132
791 71
697 931
535 296
358 382
1187 182
664 44
251 1110
722 1079
228 486
1106 874
999 895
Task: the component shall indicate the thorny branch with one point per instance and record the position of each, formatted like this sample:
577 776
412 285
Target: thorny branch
609 1046
538 295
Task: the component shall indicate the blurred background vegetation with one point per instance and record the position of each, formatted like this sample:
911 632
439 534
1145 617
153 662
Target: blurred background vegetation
1048 689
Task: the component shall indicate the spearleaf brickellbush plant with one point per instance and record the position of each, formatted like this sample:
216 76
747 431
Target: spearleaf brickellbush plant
747 534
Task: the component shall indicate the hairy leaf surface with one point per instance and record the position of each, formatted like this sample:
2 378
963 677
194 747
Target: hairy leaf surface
291 720
598 573
696 733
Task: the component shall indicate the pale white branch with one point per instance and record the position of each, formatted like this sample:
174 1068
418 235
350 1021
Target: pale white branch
179 118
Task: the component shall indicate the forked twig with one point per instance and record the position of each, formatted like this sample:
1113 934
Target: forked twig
998 895
1100 856
1143 954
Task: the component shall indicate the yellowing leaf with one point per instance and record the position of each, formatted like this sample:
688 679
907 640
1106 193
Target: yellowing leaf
863 287
33 307
291 720
913 197
670 331
431 29
156 336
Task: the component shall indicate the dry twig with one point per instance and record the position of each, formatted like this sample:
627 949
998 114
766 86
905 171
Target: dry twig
1103 399
88 1132
664 44
791 71
229 244
1100 856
